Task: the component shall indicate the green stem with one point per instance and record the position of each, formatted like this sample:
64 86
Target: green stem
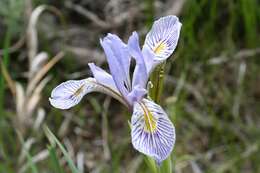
149 13
157 79
166 166
151 164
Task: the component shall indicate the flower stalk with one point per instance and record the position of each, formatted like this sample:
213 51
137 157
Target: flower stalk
155 92
157 79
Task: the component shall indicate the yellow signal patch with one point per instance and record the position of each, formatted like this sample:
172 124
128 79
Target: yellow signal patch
78 91
150 122
159 48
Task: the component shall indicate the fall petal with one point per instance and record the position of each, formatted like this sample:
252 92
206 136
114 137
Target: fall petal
70 93
152 131
163 37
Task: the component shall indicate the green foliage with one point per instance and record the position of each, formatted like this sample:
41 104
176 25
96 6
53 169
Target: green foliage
249 15
54 159
30 164
54 141
12 11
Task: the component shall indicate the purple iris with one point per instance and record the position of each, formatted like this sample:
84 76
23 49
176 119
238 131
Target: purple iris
152 131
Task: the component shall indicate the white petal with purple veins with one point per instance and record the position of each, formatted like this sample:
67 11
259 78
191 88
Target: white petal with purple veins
163 37
152 131
70 93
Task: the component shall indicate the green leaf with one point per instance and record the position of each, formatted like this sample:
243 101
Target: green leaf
54 140
54 159
30 163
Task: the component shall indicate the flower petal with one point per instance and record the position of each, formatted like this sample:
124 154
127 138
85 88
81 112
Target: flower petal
163 37
149 58
152 131
136 94
122 55
70 93
102 76
140 75
115 52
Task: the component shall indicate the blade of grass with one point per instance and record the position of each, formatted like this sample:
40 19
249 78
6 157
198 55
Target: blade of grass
39 75
8 78
7 41
30 163
54 159
249 9
53 140
149 12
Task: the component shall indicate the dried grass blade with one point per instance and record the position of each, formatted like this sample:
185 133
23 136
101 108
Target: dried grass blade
42 72
10 82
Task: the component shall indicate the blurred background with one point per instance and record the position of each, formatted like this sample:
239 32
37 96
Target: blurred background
212 86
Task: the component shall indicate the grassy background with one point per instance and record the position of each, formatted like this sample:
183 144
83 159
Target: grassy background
212 87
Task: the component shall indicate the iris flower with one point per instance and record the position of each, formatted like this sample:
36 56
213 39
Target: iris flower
152 132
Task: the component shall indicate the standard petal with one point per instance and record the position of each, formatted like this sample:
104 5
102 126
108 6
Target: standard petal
163 37
116 67
102 76
152 131
149 58
70 93
140 75
136 94
122 55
